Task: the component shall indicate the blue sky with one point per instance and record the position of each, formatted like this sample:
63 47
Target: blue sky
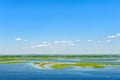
59 26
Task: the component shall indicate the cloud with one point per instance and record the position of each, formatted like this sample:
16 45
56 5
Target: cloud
39 45
53 44
59 42
89 40
113 36
65 43
44 42
18 39
108 41
68 46
118 35
78 40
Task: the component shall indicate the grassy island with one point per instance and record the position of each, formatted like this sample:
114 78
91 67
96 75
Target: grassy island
62 66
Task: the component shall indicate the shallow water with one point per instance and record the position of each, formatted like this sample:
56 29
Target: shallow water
27 71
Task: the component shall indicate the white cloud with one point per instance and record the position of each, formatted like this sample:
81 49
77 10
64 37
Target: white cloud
89 40
44 42
118 35
59 42
112 37
18 39
108 41
53 44
65 43
39 45
69 41
56 42
77 40
67 46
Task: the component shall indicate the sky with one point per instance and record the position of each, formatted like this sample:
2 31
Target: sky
59 27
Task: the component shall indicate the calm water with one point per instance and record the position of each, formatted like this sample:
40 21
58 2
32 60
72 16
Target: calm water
29 72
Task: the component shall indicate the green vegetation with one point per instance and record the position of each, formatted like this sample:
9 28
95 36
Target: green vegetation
36 63
9 58
60 65
11 62
63 65
88 59
53 57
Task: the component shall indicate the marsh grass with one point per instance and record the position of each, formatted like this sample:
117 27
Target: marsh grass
11 62
63 65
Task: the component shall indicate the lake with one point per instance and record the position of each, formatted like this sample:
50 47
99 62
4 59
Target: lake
27 71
